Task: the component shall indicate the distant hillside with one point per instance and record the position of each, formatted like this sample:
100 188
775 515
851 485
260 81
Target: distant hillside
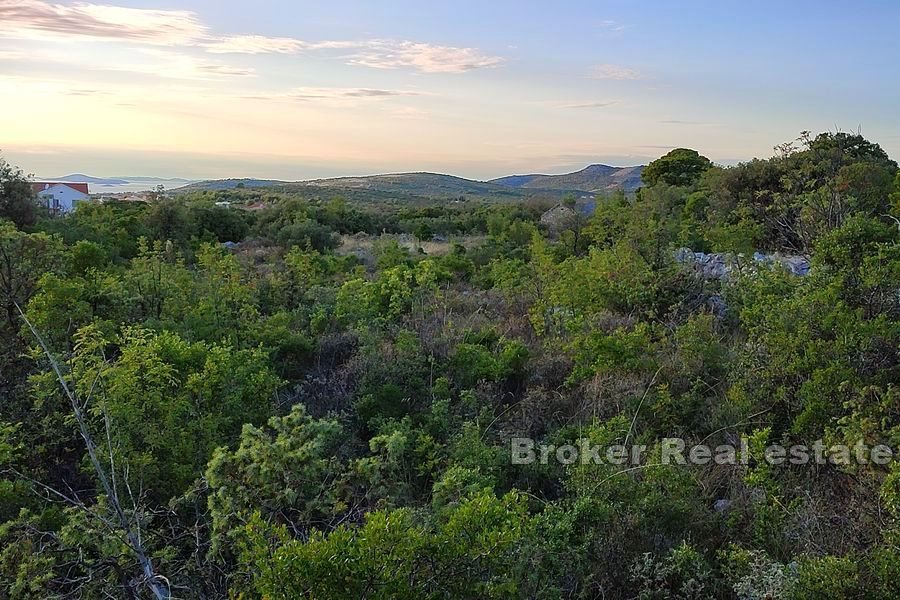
419 184
82 178
593 178
404 187
230 184
399 186
516 180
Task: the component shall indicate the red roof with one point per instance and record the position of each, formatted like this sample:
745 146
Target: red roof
40 186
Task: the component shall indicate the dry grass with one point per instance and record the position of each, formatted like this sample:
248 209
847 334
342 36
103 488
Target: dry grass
362 245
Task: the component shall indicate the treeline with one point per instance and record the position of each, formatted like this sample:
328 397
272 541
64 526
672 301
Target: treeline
192 219
279 420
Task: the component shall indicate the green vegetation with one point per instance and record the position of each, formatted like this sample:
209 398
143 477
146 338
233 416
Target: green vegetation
277 418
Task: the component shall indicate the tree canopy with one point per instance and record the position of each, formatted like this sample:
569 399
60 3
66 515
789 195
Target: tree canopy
681 166
17 201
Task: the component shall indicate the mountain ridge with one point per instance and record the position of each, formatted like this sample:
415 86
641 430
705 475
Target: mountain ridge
592 178
595 178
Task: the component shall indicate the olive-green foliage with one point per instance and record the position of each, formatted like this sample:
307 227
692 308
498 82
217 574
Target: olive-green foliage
17 201
681 167
169 402
283 418
283 472
473 551
24 258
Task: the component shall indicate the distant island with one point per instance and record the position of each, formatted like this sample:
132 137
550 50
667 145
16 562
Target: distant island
121 184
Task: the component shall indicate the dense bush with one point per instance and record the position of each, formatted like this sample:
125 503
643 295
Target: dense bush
288 417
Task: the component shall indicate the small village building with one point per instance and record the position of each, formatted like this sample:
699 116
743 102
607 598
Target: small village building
60 196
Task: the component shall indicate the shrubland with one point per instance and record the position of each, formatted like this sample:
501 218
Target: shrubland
277 419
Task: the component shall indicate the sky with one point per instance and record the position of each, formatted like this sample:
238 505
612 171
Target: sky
303 89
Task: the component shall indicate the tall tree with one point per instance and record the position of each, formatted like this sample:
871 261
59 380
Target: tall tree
17 201
681 167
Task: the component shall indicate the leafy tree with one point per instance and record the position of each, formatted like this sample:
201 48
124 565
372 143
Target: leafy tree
681 167
24 257
17 201
170 402
473 553
284 474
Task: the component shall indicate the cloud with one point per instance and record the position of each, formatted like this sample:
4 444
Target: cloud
260 44
58 22
216 69
428 58
378 54
35 18
85 92
374 93
682 122
591 105
616 72
254 44
611 25
334 93
177 65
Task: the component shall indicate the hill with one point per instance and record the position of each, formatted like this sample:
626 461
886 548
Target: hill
229 184
421 185
593 178
82 178
418 184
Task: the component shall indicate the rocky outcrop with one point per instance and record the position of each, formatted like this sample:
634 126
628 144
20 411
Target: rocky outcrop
720 266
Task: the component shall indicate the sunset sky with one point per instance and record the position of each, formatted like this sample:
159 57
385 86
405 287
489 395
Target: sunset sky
301 89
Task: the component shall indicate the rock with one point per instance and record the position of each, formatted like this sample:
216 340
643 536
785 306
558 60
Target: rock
717 305
683 255
720 266
798 265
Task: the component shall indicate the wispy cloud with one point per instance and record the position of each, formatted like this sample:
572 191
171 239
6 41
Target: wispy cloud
374 93
319 93
35 18
58 22
253 44
85 92
616 72
226 70
684 122
151 61
334 93
428 58
378 53
177 65
614 26
260 44
591 104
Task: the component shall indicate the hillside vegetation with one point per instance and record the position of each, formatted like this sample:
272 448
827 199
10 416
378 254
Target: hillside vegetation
434 186
593 178
277 418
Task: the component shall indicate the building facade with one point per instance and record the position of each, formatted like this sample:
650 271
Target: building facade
60 197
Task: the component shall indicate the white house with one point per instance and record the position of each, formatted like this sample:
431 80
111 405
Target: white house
60 197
